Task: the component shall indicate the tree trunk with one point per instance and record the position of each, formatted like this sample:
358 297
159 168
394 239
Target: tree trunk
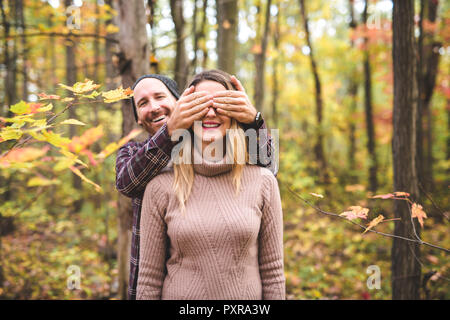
71 78
318 147
21 16
373 183
275 89
227 15
110 47
202 36
133 62
426 76
181 63
352 91
260 61
406 269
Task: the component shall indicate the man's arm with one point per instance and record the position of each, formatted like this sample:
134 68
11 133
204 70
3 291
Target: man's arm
266 149
135 167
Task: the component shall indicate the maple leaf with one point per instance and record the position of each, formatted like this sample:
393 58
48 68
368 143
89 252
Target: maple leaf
374 222
86 139
83 177
355 212
43 96
73 121
112 147
117 94
21 155
383 196
81 87
417 212
20 108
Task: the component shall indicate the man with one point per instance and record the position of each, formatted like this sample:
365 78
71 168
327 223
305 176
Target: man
160 110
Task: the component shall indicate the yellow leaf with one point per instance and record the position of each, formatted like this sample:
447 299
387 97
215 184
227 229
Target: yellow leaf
81 87
9 133
73 121
112 147
110 28
374 222
55 139
39 181
417 212
20 108
83 177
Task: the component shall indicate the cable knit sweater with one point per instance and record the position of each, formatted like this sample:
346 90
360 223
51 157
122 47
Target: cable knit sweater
223 247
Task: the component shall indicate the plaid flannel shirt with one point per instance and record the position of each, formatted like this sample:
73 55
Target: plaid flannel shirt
138 162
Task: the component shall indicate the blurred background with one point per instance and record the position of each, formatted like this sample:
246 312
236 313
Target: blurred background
321 72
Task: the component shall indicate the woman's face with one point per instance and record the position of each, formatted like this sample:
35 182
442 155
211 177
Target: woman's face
214 125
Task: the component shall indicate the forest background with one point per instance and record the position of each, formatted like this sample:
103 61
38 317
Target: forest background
359 91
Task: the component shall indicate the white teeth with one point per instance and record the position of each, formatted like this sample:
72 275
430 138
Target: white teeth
211 125
159 119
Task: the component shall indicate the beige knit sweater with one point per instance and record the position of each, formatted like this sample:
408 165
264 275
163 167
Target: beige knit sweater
222 247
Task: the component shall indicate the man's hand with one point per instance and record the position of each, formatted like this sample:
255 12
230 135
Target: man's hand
235 104
190 107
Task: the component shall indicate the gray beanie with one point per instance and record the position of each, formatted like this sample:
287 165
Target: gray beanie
169 83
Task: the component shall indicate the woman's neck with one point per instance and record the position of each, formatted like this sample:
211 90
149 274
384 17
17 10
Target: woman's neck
211 151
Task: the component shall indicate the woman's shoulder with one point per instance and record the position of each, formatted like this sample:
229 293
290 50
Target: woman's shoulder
260 172
161 183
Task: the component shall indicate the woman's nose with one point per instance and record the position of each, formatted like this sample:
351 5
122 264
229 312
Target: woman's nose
211 112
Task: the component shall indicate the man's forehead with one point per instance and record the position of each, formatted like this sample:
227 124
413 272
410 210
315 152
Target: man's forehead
150 86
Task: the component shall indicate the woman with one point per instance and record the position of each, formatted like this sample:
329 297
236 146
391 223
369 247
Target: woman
212 229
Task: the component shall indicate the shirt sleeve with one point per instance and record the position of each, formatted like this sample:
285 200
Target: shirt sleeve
135 168
153 245
265 153
270 242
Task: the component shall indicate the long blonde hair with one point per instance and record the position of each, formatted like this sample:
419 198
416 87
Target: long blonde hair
236 146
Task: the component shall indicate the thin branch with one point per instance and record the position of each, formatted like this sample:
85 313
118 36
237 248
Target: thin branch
365 228
62 34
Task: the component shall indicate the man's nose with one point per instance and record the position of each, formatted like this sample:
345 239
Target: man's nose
153 106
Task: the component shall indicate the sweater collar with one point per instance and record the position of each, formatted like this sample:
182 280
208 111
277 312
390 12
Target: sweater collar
210 168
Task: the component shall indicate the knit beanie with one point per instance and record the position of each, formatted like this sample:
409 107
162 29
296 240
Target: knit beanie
169 83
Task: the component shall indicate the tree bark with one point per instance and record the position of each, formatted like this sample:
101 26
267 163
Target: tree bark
406 269
181 63
275 89
227 15
21 16
260 61
373 182
203 35
318 147
352 91
133 62
71 78
427 71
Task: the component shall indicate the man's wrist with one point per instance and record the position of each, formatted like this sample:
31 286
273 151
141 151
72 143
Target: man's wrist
256 124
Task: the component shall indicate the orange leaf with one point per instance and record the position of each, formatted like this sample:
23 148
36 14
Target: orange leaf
43 96
384 196
418 213
374 222
86 139
21 155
